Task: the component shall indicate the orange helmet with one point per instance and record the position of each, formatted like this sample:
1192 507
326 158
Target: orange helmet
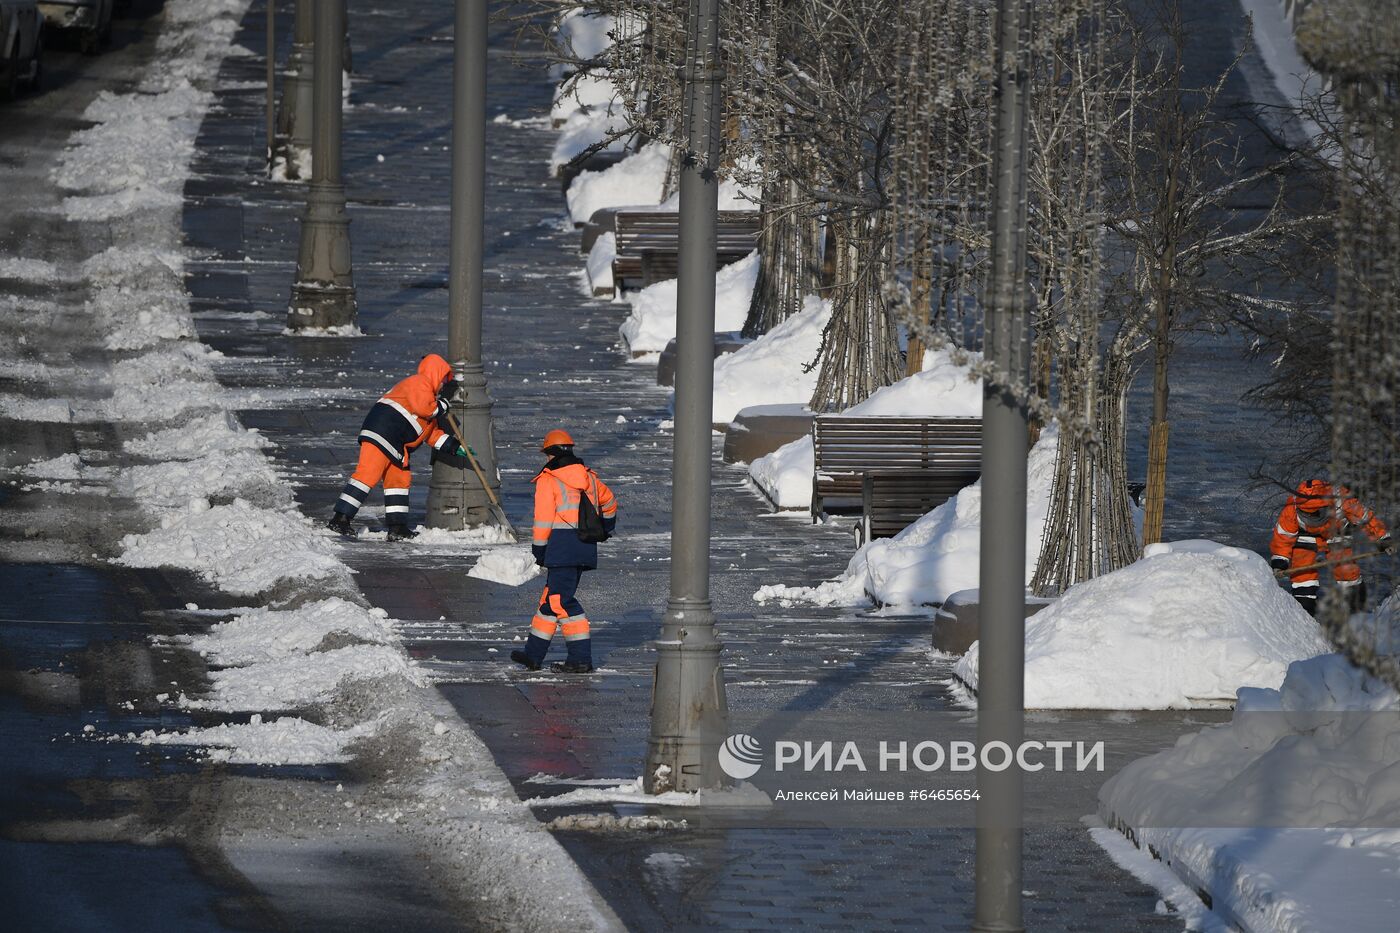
1313 502
557 438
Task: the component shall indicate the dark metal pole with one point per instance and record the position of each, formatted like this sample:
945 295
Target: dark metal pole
271 127
456 498
324 293
296 112
1001 663
689 715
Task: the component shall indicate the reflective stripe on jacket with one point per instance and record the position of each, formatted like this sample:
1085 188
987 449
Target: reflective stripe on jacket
405 418
557 493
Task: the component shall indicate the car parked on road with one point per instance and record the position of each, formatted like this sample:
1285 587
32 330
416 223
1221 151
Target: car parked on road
90 19
21 46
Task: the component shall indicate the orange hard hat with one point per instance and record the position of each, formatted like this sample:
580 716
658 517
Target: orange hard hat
557 438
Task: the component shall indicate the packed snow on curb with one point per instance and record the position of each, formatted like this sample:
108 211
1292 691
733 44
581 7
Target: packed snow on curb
239 547
636 181
1185 627
934 557
652 323
1279 800
772 369
941 389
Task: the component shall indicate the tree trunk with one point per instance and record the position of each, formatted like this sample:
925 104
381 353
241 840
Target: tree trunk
1156 495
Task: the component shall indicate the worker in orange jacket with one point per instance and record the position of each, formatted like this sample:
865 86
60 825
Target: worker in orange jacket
565 543
402 421
1317 524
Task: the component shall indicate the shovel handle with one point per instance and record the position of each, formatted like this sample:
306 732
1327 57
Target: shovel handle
471 458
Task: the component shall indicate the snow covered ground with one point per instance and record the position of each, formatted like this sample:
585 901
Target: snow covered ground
652 323
1289 815
1185 627
940 388
307 649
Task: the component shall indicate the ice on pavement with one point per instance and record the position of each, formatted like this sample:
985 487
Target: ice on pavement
1185 627
510 566
940 389
1293 765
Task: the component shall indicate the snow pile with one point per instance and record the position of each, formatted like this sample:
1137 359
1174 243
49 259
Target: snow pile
598 268
28 270
937 555
66 466
286 740
585 128
941 389
1183 628
770 371
20 408
239 547
215 433
637 180
300 681
652 323
1278 801
510 566
239 472
262 635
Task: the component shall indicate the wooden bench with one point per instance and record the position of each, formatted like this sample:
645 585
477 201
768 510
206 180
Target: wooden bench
847 447
891 502
648 244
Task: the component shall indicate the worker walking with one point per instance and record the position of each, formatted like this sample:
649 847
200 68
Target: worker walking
574 510
1316 526
399 423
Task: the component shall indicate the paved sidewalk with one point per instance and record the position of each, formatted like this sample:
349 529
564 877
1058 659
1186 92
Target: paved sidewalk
554 361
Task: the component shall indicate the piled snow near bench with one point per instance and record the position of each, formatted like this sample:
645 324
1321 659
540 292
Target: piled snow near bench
1277 796
637 180
770 371
652 323
1183 628
937 555
941 389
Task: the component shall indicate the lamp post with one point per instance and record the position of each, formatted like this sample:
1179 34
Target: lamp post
295 112
689 715
456 498
324 293
1001 662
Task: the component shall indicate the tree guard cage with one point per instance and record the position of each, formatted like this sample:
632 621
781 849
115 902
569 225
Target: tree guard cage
1357 46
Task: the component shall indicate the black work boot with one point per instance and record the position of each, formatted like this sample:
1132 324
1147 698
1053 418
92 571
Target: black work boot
340 524
571 667
524 660
399 531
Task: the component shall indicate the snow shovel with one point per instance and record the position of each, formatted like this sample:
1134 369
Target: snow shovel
498 513
1334 562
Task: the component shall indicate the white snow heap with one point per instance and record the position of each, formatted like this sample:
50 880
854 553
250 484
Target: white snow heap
1275 798
636 181
936 556
239 547
770 371
941 388
260 635
652 323
508 566
1183 628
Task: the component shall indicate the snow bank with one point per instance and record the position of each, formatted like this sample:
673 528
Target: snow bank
941 389
286 740
599 266
769 371
302 680
215 433
233 473
262 635
636 180
937 555
510 566
652 323
243 549
585 128
1183 628
1275 797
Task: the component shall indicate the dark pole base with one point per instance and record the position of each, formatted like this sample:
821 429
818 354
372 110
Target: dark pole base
320 306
